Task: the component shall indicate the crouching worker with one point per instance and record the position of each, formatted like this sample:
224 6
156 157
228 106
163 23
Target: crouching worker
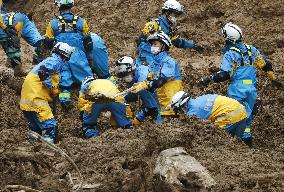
96 96
127 71
223 111
40 87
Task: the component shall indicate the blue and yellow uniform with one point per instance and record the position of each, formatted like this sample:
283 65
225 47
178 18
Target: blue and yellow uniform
240 62
149 99
24 27
159 24
73 30
165 69
223 111
92 110
100 57
68 28
40 88
80 68
166 73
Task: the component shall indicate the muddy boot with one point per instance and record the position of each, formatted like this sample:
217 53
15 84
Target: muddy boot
90 132
248 141
50 135
19 71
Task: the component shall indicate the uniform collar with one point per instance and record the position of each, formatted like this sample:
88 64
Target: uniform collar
69 12
161 56
229 45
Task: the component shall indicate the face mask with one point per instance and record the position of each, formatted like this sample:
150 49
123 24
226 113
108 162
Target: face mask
128 78
155 50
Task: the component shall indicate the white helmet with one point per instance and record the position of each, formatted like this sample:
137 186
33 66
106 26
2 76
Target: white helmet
63 49
232 32
67 3
124 66
173 6
162 37
179 99
87 80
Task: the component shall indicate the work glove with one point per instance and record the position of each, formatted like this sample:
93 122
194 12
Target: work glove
198 48
277 84
136 122
152 112
43 73
13 39
66 106
204 81
38 53
131 97
257 106
140 86
48 43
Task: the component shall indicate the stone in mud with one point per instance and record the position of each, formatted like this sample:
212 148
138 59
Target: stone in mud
176 170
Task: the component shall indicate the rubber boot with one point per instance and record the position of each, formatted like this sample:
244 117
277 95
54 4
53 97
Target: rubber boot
50 135
90 132
248 141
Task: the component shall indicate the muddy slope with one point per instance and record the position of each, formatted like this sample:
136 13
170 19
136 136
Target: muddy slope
123 160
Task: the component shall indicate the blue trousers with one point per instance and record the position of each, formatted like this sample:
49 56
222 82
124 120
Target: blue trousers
150 100
247 95
118 111
237 129
36 125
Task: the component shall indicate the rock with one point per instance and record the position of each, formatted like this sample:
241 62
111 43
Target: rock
177 171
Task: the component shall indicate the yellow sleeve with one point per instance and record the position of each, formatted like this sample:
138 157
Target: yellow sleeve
2 25
49 32
86 29
271 75
261 64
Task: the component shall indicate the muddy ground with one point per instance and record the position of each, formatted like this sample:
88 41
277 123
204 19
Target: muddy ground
123 160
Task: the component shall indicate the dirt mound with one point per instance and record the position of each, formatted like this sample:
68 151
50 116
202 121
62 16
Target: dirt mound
123 160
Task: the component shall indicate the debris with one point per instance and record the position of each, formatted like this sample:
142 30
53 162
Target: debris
176 167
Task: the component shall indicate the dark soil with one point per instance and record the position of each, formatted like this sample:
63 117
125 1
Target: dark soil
123 160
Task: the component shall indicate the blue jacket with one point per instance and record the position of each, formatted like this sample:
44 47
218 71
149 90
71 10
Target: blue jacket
241 67
24 26
165 67
144 47
100 56
54 65
177 42
201 106
72 32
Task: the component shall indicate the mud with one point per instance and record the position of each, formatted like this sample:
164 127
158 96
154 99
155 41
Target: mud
123 160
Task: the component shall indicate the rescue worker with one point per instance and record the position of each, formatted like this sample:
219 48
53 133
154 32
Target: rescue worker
15 25
163 78
167 23
239 67
41 86
91 53
164 72
91 106
223 111
126 70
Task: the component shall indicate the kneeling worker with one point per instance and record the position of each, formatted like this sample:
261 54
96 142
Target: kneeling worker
96 96
223 111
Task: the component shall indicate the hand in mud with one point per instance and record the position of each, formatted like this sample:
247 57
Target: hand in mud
203 82
66 106
199 49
